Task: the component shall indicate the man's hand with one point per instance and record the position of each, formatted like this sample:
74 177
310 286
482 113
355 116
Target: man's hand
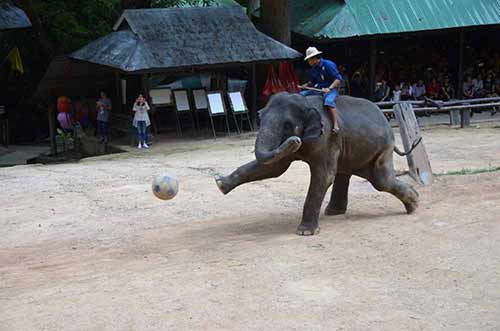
325 90
336 83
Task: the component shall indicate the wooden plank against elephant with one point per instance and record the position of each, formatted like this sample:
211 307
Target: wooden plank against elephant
418 160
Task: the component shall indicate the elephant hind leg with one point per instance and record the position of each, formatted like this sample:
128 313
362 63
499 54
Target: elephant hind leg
339 197
383 178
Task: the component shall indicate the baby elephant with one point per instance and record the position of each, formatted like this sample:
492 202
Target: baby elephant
294 127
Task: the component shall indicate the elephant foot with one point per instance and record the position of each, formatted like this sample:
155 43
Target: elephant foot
307 229
221 185
412 204
411 207
332 211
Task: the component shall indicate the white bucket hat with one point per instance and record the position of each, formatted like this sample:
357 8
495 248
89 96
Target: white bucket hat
312 52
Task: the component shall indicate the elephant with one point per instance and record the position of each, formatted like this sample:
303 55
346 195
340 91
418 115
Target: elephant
294 127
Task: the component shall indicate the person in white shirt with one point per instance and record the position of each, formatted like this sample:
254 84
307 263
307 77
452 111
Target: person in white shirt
396 93
419 91
141 120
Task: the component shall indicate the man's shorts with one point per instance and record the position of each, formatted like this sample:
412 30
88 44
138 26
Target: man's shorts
329 98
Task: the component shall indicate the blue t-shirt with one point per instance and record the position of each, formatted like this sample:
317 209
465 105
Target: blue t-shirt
324 74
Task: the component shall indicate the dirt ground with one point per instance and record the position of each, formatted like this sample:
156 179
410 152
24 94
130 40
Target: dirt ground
86 246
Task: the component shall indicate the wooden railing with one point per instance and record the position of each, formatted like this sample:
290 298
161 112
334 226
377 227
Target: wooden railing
459 110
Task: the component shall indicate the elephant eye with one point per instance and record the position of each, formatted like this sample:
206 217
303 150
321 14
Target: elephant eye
288 127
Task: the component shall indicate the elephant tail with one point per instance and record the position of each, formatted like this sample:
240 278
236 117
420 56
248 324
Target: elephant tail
415 144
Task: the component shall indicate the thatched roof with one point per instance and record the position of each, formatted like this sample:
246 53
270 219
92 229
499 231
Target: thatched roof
12 17
147 40
72 78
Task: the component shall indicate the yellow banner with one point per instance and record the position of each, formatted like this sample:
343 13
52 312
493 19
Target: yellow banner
15 60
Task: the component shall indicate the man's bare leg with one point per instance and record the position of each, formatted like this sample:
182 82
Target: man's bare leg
333 113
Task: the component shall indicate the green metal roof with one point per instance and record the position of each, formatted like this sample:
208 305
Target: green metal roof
337 19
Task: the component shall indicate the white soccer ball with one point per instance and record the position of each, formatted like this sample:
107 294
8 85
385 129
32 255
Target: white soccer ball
165 186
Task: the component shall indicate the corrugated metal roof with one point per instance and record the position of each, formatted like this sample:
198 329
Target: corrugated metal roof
175 38
352 18
12 17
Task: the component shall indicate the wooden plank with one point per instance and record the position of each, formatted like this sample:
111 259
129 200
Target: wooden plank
455 117
465 117
418 161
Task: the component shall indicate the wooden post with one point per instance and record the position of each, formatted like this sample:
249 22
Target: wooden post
373 64
253 95
418 161
460 79
118 93
465 117
52 129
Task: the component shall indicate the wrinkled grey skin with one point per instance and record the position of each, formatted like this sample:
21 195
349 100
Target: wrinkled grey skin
291 129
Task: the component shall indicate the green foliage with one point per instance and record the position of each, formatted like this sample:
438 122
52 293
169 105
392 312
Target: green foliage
72 24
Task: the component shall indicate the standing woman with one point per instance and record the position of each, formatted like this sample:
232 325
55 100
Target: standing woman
141 120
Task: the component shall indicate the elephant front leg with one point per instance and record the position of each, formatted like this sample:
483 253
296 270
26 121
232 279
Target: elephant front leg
320 182
250 172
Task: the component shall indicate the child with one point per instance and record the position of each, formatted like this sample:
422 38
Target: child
141 120
396 93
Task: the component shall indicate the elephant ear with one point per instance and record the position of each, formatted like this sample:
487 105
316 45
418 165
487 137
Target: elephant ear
313 124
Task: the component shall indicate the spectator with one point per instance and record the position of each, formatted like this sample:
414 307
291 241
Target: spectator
141 120
357 85
103 111
478 87
419 91
497 84
105 101
382 91
489 85
396 93
406 91
345 86
65 122
467 88
434 89
102 121
447 91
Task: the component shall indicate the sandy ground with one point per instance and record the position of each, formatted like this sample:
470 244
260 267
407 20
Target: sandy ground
85 246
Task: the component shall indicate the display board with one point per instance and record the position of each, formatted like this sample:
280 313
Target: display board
216 103
181 100
200 99
161 96
237 102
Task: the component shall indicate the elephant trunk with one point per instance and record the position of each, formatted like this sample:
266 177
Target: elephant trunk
266 156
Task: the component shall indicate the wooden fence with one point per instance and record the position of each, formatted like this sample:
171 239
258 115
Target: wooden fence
459 110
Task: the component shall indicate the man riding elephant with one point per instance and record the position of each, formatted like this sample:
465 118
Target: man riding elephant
323 76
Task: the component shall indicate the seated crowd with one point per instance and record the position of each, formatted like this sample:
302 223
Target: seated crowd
481 80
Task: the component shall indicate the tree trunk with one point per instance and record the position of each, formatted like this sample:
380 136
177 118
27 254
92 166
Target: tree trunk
276 19
38 27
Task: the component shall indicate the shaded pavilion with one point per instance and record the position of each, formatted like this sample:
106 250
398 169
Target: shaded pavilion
182 41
